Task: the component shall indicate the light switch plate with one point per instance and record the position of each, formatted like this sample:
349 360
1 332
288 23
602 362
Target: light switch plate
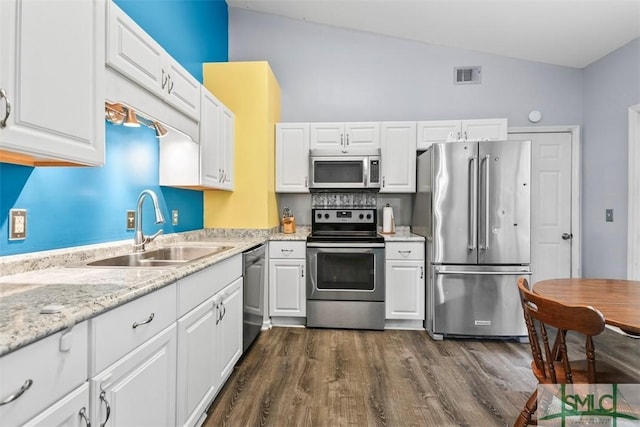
131 220
609 215
174 217
17 224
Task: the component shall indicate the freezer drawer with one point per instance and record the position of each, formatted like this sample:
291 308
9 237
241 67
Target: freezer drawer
477 301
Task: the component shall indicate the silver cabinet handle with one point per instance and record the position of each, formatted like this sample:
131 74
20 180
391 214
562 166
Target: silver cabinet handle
342 139
383 181
218 317
286 251
170 88
103 398
301 271
7 108
567 236
83 415
421 272
144 322
18 393
347 139
224 310
165 79
407 252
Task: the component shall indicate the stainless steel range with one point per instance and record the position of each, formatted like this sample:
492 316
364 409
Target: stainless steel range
345 264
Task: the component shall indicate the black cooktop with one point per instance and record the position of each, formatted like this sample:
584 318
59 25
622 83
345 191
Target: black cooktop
344 225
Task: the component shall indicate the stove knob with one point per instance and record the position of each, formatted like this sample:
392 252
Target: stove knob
361 216
319 215
326 216
368 216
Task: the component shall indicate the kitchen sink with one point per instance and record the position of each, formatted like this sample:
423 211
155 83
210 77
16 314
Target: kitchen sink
170 256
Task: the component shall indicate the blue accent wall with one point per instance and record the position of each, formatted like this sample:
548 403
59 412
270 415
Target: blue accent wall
74 206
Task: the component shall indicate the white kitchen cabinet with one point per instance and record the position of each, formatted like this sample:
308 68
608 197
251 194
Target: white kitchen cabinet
345 137
140 388
475 130
70 411
405 280
209 336
136 55
209 164
52 82
292 157
287 281
398 157
46 370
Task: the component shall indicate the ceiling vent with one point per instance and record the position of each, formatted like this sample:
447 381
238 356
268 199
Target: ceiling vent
467 75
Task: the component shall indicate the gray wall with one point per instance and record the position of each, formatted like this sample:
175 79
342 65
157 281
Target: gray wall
611 86
331 74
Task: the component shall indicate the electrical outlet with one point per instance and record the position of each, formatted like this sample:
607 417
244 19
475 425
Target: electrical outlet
609 215
17 224
131 220
174 217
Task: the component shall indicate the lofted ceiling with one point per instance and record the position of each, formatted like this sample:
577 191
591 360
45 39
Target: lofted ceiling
572 33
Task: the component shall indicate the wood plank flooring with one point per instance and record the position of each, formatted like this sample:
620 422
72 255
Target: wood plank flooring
324 377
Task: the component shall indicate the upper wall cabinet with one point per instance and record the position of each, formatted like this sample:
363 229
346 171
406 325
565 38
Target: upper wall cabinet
398 157
292 157
132 52
345 137
52 82
475 130
209 164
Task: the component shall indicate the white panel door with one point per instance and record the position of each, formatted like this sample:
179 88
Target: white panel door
229 332
70 411
404 290
437 131
550 204
183 90
227 147
287 296
398 154
362 136
210 134
292 158
484 129
327 136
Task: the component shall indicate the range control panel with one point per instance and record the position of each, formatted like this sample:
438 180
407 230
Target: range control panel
351 216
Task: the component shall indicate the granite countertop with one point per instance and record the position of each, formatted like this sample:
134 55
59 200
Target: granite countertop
402 234
86 292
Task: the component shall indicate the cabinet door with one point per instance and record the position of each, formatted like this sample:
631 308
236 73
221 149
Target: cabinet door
134 53
404 289
292 157
211 171
229 329
326 136
67 411
485 129
287 292
362 136
226 148
398 157
52 71
182 89
197 376
437 131
140 388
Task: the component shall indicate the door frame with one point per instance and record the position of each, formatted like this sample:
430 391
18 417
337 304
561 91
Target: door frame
576 185
633 236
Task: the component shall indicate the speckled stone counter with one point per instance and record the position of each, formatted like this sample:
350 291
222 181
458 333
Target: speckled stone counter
402 234
301 234
86 292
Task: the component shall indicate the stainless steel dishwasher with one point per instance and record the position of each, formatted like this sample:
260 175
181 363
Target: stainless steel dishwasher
253 272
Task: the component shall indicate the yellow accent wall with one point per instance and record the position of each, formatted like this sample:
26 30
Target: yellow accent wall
252 92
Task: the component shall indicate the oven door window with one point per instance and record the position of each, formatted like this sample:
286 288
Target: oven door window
344 171
346 271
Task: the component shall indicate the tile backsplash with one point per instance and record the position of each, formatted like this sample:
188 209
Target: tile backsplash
344 200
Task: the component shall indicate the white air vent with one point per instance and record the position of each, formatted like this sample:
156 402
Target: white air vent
466 75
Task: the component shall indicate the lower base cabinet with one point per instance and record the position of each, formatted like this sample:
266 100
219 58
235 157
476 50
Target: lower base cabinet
209 345
404 281
70 411
140 388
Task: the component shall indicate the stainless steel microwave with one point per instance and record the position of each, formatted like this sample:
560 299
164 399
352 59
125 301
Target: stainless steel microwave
334 170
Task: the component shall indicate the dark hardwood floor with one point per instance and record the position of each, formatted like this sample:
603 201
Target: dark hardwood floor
318 377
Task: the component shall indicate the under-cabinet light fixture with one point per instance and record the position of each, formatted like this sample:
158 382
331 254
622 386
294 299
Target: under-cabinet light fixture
119 114
131 120
160 130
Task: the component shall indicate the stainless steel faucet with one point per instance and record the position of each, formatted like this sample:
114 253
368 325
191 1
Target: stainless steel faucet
140 240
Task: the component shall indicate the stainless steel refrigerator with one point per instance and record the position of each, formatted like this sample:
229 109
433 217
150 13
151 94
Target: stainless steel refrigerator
473 206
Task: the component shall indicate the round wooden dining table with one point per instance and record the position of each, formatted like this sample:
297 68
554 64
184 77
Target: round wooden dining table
617 300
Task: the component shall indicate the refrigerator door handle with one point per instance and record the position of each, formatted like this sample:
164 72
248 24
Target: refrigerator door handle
485 273
485 211
473 207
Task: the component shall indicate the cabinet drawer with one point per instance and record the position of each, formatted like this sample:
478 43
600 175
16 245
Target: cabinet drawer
287 249
404 250
55 365
197 288
117 332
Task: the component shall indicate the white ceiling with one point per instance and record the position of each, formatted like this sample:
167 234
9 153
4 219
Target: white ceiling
573 33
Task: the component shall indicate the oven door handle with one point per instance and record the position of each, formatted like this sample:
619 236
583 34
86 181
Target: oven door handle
344 245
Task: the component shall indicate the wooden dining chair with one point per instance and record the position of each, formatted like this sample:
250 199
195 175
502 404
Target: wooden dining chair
551 364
